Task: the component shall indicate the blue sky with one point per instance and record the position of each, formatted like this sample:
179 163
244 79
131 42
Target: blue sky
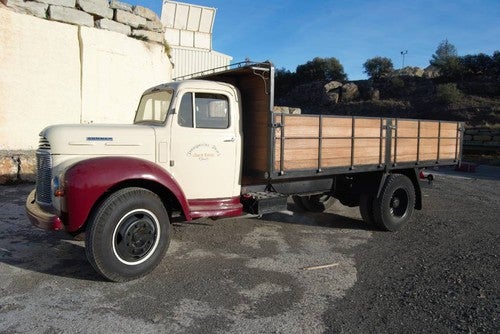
290 33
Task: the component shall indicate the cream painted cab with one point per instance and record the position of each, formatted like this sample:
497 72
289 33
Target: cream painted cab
200 143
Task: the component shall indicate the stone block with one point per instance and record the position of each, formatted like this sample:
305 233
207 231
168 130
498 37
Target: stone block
467 137
70 15
496 138
287 110
154 26
150 35
471 132
114 4
332 85
8 169
482 138
113 26
472 143
64 3
27 164
96 7
146 13
29 7
132 20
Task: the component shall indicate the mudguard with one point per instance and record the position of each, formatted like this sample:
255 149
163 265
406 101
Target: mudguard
87 181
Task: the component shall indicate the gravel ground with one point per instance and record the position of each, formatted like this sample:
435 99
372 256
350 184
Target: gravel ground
440 274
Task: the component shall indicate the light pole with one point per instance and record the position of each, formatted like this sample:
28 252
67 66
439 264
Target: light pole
403 53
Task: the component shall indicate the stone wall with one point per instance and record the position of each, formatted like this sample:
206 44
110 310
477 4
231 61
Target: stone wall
17 166
134 21
482 139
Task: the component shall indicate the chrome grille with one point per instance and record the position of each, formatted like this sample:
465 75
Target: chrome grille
43 144
43 176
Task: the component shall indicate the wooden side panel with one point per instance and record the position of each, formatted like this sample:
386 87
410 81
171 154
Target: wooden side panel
368 143
314 142
337 127
303 145
299 154
367 151
336 153
255 105
437 141
448 145
406 145
301 126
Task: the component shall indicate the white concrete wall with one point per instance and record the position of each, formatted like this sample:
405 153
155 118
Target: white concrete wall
39 77
116 71
53 73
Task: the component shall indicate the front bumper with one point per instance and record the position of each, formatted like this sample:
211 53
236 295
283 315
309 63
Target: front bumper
41 217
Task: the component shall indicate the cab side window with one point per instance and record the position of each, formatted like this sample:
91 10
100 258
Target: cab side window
185 118
209 111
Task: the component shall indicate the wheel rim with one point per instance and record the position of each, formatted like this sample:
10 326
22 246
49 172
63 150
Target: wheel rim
399 203
136 237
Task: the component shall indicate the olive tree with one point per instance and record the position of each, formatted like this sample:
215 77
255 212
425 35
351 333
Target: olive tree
378 67
321 69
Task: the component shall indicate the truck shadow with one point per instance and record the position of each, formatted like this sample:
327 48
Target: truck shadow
48 253
295 215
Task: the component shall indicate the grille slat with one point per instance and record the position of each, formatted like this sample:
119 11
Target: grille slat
44 172
43 144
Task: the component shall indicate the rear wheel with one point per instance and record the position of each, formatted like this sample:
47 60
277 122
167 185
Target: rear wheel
314 203
128 235
396 203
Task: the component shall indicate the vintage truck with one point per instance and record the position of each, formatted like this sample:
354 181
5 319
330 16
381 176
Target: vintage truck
213 147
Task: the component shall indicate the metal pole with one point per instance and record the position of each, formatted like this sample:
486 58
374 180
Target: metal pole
403 53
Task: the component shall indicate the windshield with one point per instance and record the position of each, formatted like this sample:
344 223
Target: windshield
153 107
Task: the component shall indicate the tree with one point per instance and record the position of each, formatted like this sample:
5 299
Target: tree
477 64
496 62
446 60
378 67
321 69
284 82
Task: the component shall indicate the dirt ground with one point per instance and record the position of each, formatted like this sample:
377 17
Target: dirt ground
440 274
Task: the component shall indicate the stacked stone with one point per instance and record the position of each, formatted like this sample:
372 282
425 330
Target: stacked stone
135 21
482 137
17 167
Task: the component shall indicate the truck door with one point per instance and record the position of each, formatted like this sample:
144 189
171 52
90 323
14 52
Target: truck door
204 145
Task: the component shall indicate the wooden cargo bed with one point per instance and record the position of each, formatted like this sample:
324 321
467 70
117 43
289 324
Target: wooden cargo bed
335 143
282 146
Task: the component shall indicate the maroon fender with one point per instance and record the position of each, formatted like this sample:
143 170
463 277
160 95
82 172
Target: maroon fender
87 180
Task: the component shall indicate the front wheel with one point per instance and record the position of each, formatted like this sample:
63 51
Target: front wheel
128 235
396 203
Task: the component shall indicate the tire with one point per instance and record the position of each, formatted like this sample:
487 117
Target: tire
298 201
395 206
366 208
314 203
128 235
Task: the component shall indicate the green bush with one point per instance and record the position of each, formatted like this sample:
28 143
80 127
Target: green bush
378 67
448 93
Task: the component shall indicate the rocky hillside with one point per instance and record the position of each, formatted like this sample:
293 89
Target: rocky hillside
410 94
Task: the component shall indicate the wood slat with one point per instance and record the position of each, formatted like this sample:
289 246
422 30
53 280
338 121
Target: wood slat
337 127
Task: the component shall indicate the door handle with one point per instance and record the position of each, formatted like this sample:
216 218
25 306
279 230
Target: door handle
230 140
